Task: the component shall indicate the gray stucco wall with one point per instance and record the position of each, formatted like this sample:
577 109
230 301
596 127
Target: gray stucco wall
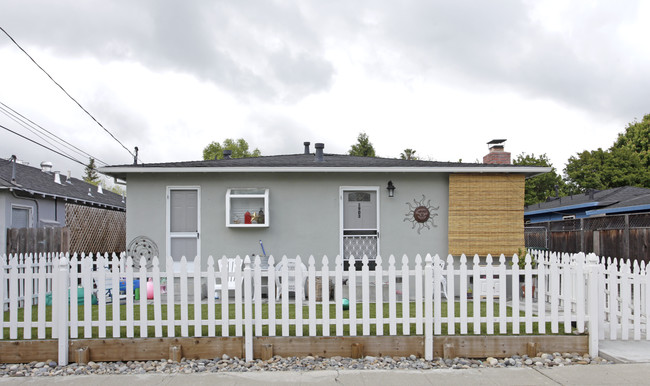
53 211
4 220
304 212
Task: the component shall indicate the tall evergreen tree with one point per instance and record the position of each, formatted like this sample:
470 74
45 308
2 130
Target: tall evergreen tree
363 147
90 172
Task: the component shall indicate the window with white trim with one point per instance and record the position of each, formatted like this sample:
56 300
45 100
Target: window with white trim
247 207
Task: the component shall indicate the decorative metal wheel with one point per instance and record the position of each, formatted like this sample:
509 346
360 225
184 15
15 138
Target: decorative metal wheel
139 247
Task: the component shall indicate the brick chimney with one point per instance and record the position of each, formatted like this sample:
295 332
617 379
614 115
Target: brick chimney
497 155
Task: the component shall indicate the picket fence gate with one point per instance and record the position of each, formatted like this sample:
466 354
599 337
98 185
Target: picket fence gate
393 299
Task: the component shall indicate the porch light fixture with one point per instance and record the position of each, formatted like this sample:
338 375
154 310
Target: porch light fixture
391 189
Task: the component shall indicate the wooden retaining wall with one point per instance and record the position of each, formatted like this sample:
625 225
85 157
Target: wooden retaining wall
143 349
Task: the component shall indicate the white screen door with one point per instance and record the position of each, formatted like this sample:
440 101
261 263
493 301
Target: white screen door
183 222
360 233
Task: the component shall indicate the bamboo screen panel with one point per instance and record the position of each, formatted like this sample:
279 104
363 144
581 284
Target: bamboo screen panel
486 213
95 229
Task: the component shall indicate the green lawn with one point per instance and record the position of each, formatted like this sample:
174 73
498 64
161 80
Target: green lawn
278 313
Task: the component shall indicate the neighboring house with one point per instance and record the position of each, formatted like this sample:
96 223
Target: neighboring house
627 199
40 198
325 204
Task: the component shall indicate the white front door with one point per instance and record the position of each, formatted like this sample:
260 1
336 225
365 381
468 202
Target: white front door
360 223
183 222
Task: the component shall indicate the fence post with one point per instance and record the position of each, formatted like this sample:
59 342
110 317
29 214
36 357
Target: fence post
428 308
61 302
592 303
626 237
582 235
248 310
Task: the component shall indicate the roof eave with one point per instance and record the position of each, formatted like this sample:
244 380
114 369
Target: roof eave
73 199
624 209
558 209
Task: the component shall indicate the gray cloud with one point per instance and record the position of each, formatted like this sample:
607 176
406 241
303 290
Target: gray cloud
275 51
234 45
498 44
282 134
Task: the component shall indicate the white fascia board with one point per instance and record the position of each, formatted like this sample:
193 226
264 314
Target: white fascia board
532 170
68 198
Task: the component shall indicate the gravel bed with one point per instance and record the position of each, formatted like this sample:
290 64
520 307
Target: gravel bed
277 363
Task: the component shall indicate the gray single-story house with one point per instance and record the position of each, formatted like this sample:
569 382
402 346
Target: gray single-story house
318 204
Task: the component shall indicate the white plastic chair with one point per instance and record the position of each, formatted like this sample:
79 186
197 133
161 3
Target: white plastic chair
233 265
291 267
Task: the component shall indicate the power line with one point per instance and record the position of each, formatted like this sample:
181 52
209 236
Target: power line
40 144
23 121
66 93
39 135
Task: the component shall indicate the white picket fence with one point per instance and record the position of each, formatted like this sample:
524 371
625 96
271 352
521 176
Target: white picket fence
396 298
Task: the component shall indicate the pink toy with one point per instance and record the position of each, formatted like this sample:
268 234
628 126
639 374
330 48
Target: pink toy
150 288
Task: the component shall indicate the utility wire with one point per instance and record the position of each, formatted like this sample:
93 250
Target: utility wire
40 144
34 125
66 93
39 135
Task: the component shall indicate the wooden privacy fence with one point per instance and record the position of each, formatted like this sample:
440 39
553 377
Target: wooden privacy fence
396 299
38 240
625 236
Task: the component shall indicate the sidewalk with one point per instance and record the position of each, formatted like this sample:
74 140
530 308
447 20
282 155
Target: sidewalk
618 374
625 351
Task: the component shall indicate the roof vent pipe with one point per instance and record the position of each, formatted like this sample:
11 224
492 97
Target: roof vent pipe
13 169
99 189
306 147
46 166
227 154
57 177
319 152
69 179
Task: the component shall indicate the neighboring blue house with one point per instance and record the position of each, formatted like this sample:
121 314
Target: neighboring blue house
42 198
627 199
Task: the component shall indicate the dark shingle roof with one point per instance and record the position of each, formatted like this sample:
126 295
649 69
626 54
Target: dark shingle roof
308 160
308 163
34 181
643 199
615 197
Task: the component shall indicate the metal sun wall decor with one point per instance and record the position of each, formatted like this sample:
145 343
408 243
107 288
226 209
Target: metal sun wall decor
421 215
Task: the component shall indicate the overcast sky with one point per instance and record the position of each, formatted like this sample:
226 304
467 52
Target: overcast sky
443 78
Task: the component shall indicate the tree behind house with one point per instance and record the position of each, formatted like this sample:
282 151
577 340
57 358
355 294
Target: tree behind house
539 188
90 172
626 163
239 149
363 147
408 154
